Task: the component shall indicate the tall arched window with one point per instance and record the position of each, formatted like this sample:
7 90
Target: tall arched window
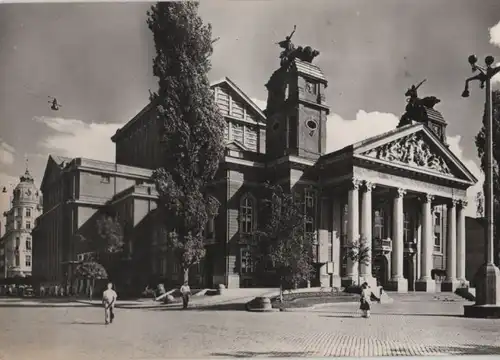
247 214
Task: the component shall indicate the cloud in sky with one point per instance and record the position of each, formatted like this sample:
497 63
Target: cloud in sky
6 153
75 138
341 132
495 34
495 40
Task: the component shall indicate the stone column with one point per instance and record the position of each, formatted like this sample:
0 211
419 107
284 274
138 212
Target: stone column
353 227
461 250
324 240
398 282
450 284
418 255
426 283
366 232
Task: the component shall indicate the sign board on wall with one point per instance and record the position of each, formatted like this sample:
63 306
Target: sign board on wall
329 267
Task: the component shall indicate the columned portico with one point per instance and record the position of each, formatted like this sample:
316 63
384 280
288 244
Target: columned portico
451 283
398 282
426 283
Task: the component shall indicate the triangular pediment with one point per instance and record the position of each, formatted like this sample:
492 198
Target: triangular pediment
228 92
415 148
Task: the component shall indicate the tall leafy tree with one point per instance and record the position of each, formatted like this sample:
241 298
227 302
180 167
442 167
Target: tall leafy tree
282 239
192 126
480 144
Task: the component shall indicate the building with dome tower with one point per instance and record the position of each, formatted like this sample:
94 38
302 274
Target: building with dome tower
17 243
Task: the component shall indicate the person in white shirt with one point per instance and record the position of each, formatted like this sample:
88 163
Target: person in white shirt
186 292
109 297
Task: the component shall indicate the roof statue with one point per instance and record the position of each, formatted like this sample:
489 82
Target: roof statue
416 107
291 53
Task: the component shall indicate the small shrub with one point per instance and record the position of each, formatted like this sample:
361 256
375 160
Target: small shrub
353 289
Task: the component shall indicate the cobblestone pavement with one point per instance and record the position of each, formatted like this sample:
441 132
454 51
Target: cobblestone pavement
404 328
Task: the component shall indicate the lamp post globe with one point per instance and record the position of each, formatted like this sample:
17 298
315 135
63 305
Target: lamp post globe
489 60
472 59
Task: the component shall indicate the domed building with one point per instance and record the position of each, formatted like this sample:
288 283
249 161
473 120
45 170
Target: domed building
20 220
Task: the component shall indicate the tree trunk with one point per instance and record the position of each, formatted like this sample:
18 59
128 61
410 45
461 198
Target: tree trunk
186 275
281 290
92 286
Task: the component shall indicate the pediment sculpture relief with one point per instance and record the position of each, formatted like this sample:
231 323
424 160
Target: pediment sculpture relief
411 150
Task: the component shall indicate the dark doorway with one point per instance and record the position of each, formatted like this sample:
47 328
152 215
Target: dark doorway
409 272
208 268
380 270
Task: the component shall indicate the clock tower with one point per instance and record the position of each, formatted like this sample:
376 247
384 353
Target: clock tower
296 107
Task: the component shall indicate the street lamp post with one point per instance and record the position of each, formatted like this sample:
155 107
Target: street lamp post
488 280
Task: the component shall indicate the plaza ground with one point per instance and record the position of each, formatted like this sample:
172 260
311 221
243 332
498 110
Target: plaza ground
409 326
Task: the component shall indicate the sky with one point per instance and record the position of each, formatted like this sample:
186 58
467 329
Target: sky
96 59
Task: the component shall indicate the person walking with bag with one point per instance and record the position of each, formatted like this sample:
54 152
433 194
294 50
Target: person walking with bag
185 292
109 297
365 300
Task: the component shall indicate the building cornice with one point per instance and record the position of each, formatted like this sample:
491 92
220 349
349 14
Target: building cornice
291 159
237 161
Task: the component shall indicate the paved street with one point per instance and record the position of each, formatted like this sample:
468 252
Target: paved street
401 328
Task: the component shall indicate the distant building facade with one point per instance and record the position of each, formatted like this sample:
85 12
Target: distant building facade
403 190
16 245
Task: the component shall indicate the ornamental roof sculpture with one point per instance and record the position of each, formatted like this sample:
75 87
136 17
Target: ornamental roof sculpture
291 53
417 108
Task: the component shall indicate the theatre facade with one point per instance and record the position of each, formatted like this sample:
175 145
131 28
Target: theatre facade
403 193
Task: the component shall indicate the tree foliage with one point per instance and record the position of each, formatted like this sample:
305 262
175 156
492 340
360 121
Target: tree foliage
192 126
282 238
108 238
360 253
110 233
480 144
91 270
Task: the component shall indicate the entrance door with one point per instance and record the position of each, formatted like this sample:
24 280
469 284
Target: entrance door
409 273
208 267
380 270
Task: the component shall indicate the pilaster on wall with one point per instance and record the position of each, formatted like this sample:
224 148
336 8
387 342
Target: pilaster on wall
234 187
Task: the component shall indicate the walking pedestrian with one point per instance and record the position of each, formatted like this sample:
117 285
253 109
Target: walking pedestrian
109 297
365 300
185 292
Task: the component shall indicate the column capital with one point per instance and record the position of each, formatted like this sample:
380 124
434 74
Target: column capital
451 203
427 198
462 203
399 192
369 186
355 183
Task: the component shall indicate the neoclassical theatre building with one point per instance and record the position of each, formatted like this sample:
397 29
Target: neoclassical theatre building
402 191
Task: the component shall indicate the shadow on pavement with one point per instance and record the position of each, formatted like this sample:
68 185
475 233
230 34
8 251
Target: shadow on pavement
44 305
454 350
396 314
218 307
86 323
246 354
